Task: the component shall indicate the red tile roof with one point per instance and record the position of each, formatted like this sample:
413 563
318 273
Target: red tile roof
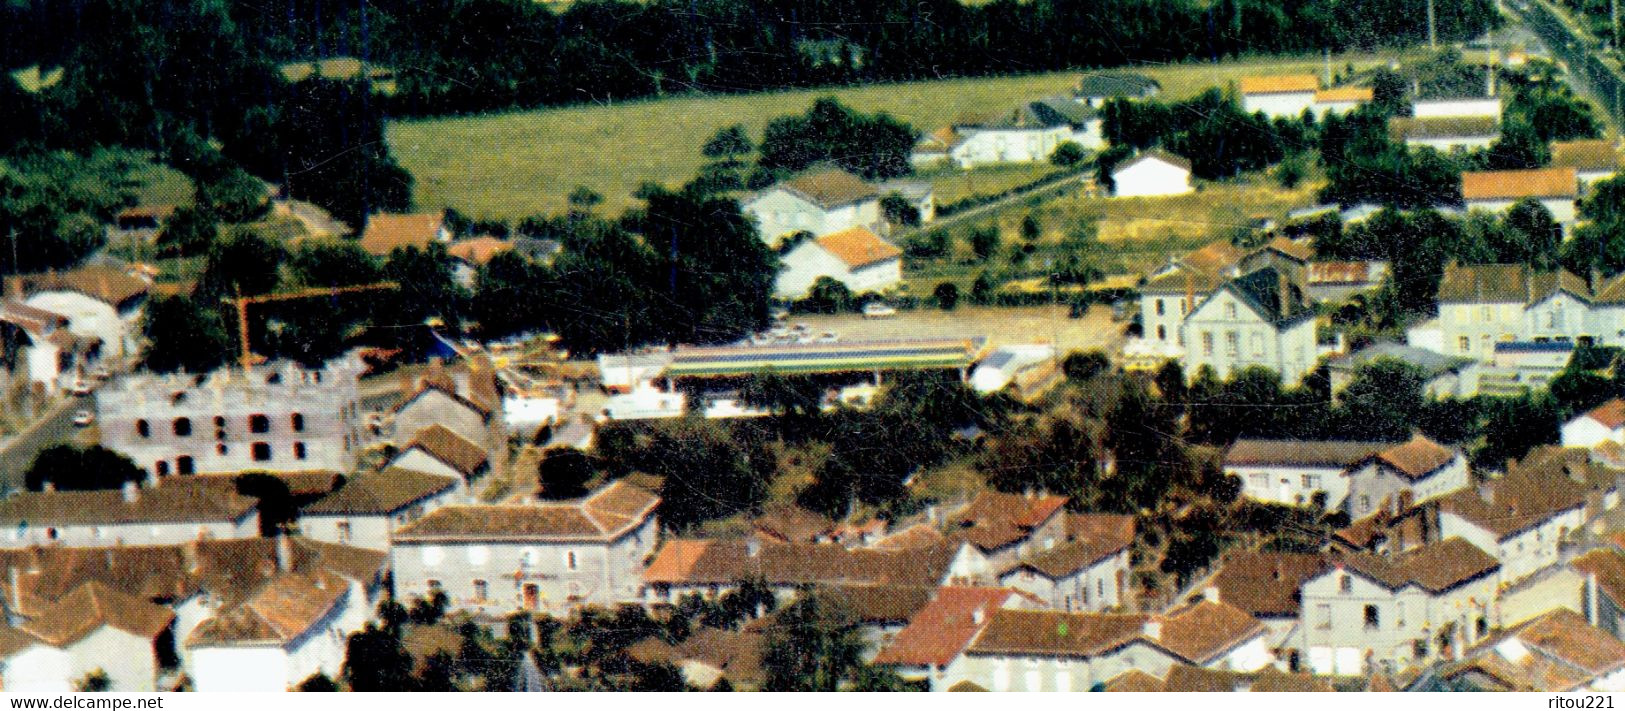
858 247
1280 84
994 520
385 232
1417 458
944 627
605 515
1266 584
1610 414
1516 184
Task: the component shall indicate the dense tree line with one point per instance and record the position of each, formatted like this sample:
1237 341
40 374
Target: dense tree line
1210 129
519 53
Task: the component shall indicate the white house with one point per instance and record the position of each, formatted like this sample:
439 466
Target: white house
1088 571
821 202
1279 96
103 304
1294 471
1475 105
291 629
369 507
175 512
1484 307
1603 423
552 555
46 350
1522 517
1400 610
106 630
1047 650
29 665
1153 173
1259 319
858 258
1024 134
1555 652
1592 160
1497 191
1445 134
1172 291
1403 475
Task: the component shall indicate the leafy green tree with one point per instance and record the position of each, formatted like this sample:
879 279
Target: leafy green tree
691 299
563 473
1389 93
1513 426
782 394
983 289
1382 402
873 146
429 610
1030 229
708 472
71 468
375 660
276 505
244 263
188 232
659 676
323 141
984 241
946 295
427 288
827 296
233 196
438 673
584 199
332 264
1067 154
813 645
728 143
318 682
182 334
1520 147
899 211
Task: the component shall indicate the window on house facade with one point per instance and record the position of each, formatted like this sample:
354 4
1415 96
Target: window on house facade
570 560
182 426
1323 616
1232 344
183 465
344 531
1345 584
221 449
262 451
1162 333
1207 344
481 590
299 450
297 422
1311 481
1484 313
1230 311
1159 307
142 429
1371 618
1258 344
259 424
1464 343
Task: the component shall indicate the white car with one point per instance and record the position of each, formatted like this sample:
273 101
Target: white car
83 418
878 310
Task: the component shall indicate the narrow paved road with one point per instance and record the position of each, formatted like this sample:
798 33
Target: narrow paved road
1586 71
55 426
970 213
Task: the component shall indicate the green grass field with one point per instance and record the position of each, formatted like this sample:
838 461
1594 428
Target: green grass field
511 165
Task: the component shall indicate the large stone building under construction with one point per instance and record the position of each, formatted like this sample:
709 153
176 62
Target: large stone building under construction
275 417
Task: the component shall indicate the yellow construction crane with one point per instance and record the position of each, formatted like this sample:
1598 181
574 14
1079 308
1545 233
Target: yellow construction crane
242 303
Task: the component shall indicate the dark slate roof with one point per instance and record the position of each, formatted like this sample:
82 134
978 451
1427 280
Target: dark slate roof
1270 294
1115 84
1431 364
1058 110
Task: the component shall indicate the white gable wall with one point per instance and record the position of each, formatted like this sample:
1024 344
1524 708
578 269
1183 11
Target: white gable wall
1278 105
1150 178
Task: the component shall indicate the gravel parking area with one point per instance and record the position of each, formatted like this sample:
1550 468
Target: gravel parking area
1001 325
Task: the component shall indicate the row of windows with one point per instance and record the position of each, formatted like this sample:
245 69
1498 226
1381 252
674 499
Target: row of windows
1161 309
257 424
1232 343
480 555
261 452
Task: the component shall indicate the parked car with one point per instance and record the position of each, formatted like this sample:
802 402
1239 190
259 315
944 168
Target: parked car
83 418
878 310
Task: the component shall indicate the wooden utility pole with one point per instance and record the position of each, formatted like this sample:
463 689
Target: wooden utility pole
1433 31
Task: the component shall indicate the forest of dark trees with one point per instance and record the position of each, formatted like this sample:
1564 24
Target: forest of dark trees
456 56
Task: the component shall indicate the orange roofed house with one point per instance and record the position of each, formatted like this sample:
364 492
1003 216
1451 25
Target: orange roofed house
1279 96
821 201
1499 190
386 231
1603 423
856 257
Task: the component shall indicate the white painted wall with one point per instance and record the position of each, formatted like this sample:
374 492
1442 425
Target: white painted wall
1278 105
1437 108
1151 178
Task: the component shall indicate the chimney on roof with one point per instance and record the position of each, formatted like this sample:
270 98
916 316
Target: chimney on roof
1591 598
753 546
1486 492
189 557
1211 593
978 616
50 487
16 580
1152 629
131 492
284 554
